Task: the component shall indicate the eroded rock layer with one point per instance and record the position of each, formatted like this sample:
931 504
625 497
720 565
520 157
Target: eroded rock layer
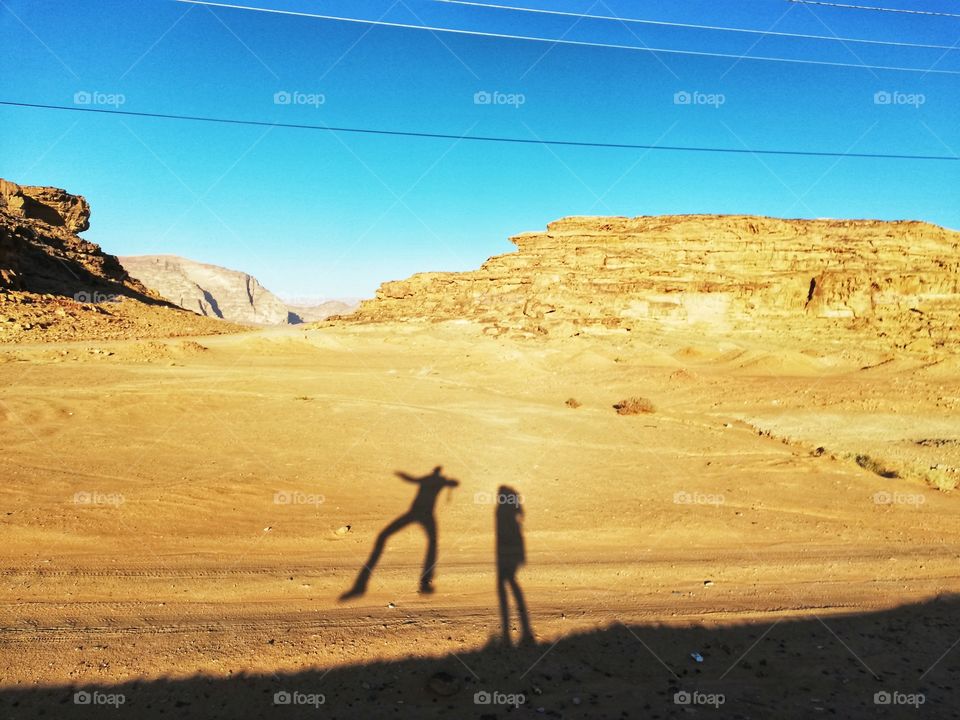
896 280
40 250
55 285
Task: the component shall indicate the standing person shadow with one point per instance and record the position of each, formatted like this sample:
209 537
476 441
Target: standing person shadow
421 512
511 554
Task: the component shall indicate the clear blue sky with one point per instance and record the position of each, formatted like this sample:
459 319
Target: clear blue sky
316 214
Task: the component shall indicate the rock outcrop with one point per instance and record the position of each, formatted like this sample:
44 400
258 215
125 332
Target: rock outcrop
898 281
54 285
40 250
209 290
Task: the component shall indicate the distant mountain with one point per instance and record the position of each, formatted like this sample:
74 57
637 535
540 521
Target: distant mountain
223 293
208 289
322 310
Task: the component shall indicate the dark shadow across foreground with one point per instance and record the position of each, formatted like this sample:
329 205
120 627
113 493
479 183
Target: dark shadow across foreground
867 665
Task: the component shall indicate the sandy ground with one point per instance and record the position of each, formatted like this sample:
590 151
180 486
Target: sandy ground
175 510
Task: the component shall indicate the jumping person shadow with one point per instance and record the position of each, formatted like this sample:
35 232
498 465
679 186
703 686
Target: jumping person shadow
511 554
420 512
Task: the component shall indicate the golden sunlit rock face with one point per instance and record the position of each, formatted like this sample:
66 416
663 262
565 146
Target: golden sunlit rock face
897 282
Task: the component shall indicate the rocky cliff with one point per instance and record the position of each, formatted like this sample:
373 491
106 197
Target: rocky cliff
209 290
896 281
54 285
40 249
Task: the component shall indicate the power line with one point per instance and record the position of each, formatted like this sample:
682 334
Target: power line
693 26
485 138
580 43
877 9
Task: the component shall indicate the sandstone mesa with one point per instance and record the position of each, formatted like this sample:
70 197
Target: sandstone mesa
897 283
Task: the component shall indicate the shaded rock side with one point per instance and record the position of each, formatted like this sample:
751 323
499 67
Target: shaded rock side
41 252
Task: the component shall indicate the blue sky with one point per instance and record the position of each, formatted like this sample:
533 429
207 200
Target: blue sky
321 214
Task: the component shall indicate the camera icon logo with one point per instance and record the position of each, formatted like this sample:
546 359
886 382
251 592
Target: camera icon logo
282 698
282 97
882 97
82 698
82 97
682 698
482 97
682 98
482 698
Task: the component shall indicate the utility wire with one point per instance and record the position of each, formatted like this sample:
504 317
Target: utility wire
876 9
580 43
485 138
692 26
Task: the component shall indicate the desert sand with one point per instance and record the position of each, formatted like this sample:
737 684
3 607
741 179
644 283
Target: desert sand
708 463
180 517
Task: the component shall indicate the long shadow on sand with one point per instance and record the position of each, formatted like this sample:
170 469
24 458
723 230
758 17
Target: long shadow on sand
422 513
855 666
511 555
